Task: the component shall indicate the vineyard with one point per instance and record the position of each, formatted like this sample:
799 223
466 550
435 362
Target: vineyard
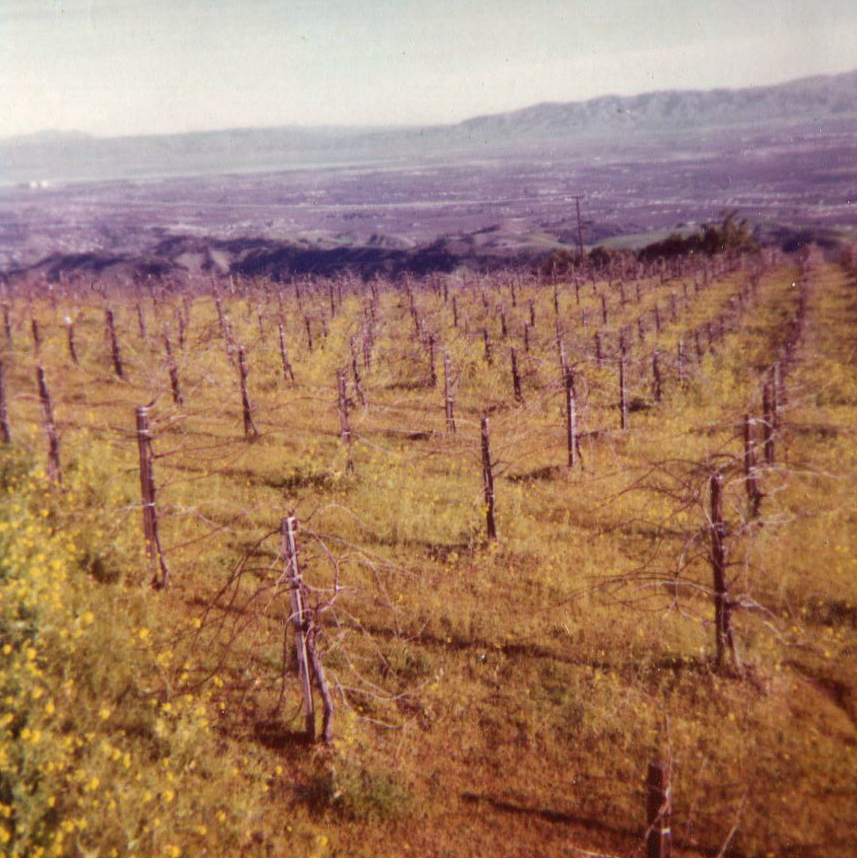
436 567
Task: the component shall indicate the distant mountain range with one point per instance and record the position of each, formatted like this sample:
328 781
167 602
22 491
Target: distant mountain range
621 121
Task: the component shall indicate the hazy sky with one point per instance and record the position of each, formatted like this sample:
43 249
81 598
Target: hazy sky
130 66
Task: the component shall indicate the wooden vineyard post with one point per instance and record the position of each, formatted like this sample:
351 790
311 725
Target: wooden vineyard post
355 373
141 323
657 314
288 372
560 347
604 309
289 548
37 337
250 430
220 317
754 494
157 565
656 375
623 394
54 469
308 327
777 392
570 415
172 368
658 809
532 314
5 434
722 606
367 348
186 304
680 360
447 394
454 311
768 424
526 337
488 481
344 425
229 341
72 351
599 352
7 325
114 344
432 364
516 378
486 342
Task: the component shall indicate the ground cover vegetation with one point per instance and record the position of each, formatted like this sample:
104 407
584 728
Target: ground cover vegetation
672 575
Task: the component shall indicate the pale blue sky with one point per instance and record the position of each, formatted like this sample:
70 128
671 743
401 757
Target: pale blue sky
135 66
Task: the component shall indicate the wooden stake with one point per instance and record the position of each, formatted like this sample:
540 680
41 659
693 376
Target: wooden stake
141 323
516 378
171 366
250 430
488 481
754 494
288 372
289 549
570 416
486 341
355 372
623 397
344 426
656 375
54 469
114 344
658 809
447 394
72 351
37 337
722 605
308 327
432 366
768 424
157 565
5 434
